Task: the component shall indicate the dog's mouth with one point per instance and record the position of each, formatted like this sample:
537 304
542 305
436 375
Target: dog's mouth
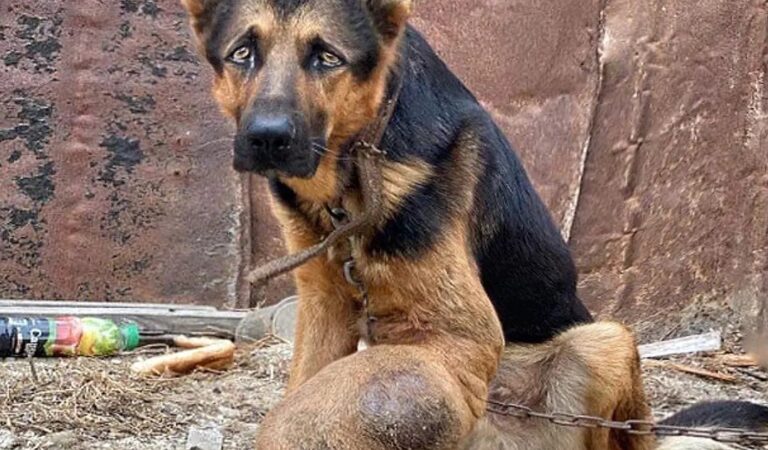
296 161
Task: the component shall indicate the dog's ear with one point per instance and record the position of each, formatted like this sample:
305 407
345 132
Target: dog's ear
200 12
390 16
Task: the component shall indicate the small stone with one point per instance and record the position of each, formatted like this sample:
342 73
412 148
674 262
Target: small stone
229 413
205 438
254 327
7 440
62 439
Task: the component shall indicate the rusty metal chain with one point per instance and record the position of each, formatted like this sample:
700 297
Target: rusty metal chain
634 427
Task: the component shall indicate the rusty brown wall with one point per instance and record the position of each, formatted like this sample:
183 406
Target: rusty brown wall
641 123
674 201
113 184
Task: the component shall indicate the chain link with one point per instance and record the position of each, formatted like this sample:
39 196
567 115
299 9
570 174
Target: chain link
634 427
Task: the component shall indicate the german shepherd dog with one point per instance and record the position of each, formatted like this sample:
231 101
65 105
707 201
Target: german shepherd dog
471 285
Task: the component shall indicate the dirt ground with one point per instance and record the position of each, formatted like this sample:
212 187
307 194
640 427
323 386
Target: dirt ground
670 390
96 403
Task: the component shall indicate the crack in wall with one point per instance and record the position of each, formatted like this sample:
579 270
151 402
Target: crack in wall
640 124
572 206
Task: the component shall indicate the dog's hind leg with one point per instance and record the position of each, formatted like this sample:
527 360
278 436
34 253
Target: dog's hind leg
386 397
588 370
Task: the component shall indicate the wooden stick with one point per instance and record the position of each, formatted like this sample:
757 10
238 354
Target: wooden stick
106 305
738 360
195 342
708 342
693 371
216 356
172 321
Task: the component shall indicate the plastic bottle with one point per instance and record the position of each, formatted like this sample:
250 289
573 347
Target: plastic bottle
64 336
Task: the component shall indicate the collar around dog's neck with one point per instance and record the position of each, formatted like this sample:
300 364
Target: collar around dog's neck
373 133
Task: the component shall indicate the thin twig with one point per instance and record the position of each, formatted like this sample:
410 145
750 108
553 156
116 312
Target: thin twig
693 371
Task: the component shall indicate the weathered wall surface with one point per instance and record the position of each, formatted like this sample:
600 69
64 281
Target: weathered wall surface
674 204
641 123
643 126
113 184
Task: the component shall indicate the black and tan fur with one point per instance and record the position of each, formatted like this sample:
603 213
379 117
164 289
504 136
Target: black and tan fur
466 257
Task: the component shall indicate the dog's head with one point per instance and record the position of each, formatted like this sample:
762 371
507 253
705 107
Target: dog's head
299 77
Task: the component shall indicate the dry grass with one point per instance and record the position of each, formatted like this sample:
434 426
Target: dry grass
102 401
87 403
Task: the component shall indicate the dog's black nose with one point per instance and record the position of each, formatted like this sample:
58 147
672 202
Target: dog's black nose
272 134
273 140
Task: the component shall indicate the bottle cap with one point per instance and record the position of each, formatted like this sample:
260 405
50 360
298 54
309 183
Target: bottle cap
130 332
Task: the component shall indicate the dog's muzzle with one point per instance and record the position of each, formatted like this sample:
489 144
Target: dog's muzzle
275 143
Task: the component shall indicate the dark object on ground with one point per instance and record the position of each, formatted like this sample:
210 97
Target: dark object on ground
726 414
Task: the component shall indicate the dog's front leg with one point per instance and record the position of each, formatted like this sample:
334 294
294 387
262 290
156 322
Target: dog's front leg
325 330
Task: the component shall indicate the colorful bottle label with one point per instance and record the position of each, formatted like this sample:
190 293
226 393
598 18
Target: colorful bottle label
64 336
69 330
100 338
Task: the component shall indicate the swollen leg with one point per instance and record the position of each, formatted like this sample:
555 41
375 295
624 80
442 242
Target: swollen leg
387 397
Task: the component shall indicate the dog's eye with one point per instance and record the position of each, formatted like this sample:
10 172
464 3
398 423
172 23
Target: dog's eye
329 60
241 55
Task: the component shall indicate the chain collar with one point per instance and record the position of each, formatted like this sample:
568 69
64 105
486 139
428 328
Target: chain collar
339 217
